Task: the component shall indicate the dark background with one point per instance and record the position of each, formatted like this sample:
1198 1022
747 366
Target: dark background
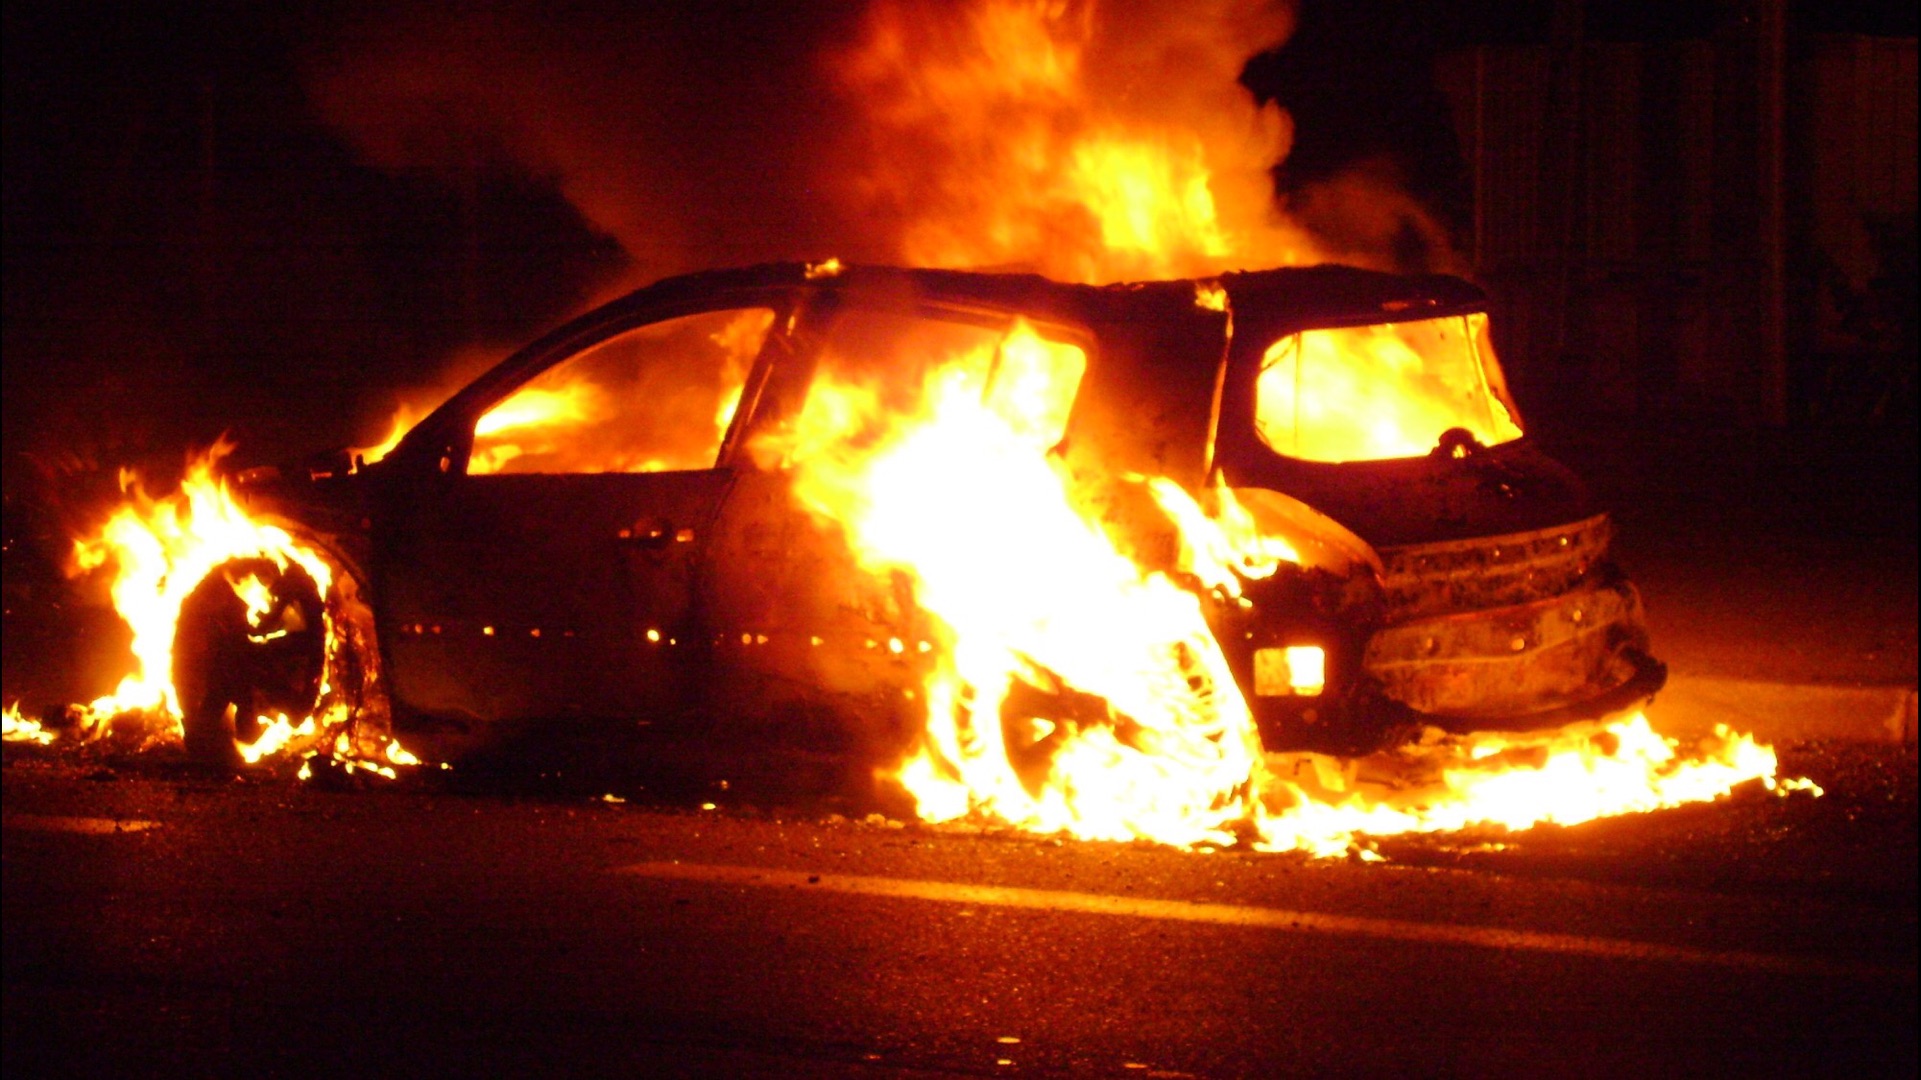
195 243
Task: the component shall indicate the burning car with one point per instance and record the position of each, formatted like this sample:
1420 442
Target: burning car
627 523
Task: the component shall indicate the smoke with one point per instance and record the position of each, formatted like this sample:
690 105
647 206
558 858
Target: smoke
1091 142
1364 215
1086 140
680 132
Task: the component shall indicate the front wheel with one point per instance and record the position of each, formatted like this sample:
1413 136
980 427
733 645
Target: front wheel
250 645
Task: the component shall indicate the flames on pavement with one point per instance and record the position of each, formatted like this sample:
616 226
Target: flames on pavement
1072 690
1160 745
1163 746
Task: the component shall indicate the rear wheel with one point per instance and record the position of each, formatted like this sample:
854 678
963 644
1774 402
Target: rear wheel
251 642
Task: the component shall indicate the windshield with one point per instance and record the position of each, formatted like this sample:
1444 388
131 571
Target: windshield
1365 393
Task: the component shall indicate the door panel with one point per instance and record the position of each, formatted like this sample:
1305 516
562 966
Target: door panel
529 597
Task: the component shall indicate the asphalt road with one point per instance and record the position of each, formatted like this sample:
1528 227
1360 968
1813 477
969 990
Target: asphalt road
163 922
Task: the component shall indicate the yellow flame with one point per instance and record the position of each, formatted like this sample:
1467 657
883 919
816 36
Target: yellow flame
405 417
1388 391
277 733
256 594
18 728
1015 132
630 403
1073 691
1446 783
158 552
1223 548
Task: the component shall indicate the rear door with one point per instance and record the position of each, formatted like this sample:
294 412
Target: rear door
553 575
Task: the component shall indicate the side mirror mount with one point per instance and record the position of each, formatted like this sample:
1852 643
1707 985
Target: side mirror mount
329 463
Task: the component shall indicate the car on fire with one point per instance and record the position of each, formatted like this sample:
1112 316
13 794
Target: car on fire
586 538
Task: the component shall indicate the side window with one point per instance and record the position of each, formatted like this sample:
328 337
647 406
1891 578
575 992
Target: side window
1026 379
1368 393
657 398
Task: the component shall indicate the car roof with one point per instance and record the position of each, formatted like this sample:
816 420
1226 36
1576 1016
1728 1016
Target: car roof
1307 293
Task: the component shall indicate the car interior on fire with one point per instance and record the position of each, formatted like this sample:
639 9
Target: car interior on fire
657 398
662 501
1025 377
1388 390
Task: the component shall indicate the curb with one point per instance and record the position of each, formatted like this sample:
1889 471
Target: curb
1786 712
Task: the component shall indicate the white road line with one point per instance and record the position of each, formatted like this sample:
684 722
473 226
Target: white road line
98 826
1312 922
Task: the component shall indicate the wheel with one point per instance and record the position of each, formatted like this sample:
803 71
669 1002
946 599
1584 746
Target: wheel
251 641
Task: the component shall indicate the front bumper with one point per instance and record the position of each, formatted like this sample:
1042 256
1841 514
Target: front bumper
1509 632
1509 664
1513 631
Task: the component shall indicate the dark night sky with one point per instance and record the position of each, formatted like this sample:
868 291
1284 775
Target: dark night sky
191 247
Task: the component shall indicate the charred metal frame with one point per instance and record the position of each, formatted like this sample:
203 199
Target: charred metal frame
707 602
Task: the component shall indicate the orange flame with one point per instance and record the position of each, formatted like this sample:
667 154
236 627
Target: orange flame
404 419
1444 783
962 495
1386 391
159 551
1025 132
1074 691
582 415
1070 689
18 728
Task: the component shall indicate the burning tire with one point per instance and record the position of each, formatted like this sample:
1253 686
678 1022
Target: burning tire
251 643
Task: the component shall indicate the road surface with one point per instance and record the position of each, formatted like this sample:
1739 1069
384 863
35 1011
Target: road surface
160 921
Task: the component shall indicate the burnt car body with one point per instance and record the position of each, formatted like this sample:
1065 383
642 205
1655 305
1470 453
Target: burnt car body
1466 584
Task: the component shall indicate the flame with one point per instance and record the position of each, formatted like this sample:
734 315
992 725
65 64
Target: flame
1387 391
18 728
1224 547
1446 783
1037 606
639 402
159 551
537 419
406 415
1023 132
1073 691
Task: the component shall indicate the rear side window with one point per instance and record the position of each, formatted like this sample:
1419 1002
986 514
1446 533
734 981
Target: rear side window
657 398
1367 393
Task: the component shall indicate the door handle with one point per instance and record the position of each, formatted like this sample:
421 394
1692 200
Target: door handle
648 535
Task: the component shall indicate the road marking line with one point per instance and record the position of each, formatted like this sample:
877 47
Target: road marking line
1312 922
97 826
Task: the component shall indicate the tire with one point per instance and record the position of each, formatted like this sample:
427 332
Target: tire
230 669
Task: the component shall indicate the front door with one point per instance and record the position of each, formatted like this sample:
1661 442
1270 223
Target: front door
553 576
